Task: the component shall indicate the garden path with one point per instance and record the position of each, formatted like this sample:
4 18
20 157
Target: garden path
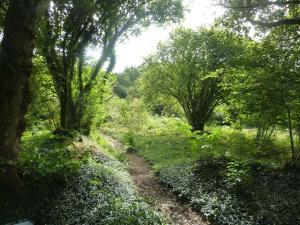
149 187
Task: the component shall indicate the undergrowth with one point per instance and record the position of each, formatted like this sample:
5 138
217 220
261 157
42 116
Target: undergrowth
227 192
68 184
222 173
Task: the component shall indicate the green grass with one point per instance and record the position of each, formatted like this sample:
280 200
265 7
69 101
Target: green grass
165 151
165 142
159 148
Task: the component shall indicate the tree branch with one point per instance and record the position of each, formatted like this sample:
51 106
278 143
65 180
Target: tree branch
261 5
282 22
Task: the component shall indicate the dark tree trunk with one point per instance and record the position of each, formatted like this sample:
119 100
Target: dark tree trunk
63 87
197 123
298 135
67 110
15 68
198 127
291 134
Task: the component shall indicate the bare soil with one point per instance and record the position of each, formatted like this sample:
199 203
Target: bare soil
149 187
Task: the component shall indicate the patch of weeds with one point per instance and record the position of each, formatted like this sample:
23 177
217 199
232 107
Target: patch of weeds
149 201
129 139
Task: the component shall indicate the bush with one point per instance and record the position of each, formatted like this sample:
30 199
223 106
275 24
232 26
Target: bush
129 139
210 167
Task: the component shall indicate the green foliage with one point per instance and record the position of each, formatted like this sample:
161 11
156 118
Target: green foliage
129 139
190 67
126 82
265 95
266 198
161 141
157 102
73 185
70 28
220 116
238 145
95 110
221 173
208 167
232 175
263 14
44 155
206 193
131 113
238 174
102 194
43 110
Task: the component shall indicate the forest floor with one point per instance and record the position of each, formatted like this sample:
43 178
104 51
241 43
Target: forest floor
150 188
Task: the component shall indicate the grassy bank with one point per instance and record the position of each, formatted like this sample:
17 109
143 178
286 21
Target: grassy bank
73 183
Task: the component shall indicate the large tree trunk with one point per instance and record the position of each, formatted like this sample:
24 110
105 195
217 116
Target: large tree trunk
198 126
67 110
15 68
63 87
197 123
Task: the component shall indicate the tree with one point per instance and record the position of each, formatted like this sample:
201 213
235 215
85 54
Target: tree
266 94
71 27
264 13
281 18
255 101
125 81
282 54
190 68
15 68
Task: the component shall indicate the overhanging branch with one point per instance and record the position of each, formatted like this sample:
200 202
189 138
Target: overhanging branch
282 22
261 5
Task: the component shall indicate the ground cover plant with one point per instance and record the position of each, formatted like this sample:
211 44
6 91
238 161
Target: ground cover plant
71 184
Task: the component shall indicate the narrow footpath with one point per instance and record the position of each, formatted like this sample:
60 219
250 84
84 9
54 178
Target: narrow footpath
149 187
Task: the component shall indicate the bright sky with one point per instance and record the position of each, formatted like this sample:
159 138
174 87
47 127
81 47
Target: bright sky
132 52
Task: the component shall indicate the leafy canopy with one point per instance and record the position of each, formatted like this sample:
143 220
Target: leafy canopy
263 13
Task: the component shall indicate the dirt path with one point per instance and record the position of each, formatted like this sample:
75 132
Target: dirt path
149 187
